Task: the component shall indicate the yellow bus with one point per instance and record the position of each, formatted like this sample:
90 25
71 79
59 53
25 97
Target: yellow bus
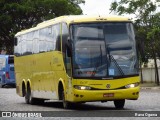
77 59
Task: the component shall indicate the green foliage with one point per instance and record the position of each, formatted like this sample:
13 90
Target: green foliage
140 8
16 15
147 26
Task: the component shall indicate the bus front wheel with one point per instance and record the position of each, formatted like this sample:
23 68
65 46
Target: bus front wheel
66 104
119 104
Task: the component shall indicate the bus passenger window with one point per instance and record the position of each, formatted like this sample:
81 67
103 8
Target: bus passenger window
56 37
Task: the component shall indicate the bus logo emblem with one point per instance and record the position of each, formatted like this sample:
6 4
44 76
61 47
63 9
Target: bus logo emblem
108 86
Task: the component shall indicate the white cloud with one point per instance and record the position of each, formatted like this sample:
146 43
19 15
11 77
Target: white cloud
94 7
101 7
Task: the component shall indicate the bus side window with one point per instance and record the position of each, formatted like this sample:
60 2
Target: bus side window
15 41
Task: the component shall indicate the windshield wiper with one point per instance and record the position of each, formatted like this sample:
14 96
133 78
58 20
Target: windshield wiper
117 65
115 62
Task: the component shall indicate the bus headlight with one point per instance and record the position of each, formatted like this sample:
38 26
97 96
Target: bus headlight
132 85
82 87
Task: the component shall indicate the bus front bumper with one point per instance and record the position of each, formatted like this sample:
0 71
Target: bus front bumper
104 95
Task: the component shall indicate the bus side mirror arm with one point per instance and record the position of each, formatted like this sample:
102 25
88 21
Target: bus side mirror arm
69 42
69 47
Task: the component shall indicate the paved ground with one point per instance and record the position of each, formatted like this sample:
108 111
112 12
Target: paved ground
149 86
149 100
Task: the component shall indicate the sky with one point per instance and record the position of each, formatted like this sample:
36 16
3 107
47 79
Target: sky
94 7
101 7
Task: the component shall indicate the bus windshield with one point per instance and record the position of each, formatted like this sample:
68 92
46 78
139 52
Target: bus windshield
104 50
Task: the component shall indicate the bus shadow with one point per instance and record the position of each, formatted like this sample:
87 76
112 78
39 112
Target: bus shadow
55 109
79 106
9 86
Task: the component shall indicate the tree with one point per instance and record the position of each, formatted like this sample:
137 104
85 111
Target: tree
16 15
154 36
146 23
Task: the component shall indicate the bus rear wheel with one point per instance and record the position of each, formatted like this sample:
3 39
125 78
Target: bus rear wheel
119 104
28 97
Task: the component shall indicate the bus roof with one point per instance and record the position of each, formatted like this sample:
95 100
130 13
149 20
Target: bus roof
75 19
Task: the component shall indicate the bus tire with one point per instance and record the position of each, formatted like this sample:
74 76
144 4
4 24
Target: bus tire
23 89
28 97
119 104
66 104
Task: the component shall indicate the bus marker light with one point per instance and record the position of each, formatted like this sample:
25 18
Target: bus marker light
81 96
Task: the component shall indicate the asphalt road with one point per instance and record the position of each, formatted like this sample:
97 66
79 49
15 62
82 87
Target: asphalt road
147 104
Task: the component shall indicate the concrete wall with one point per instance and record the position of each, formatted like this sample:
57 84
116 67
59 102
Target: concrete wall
149 74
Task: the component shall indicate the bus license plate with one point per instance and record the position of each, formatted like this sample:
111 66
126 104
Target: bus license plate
108 95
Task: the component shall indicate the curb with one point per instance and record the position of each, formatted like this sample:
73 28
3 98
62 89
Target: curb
150 88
